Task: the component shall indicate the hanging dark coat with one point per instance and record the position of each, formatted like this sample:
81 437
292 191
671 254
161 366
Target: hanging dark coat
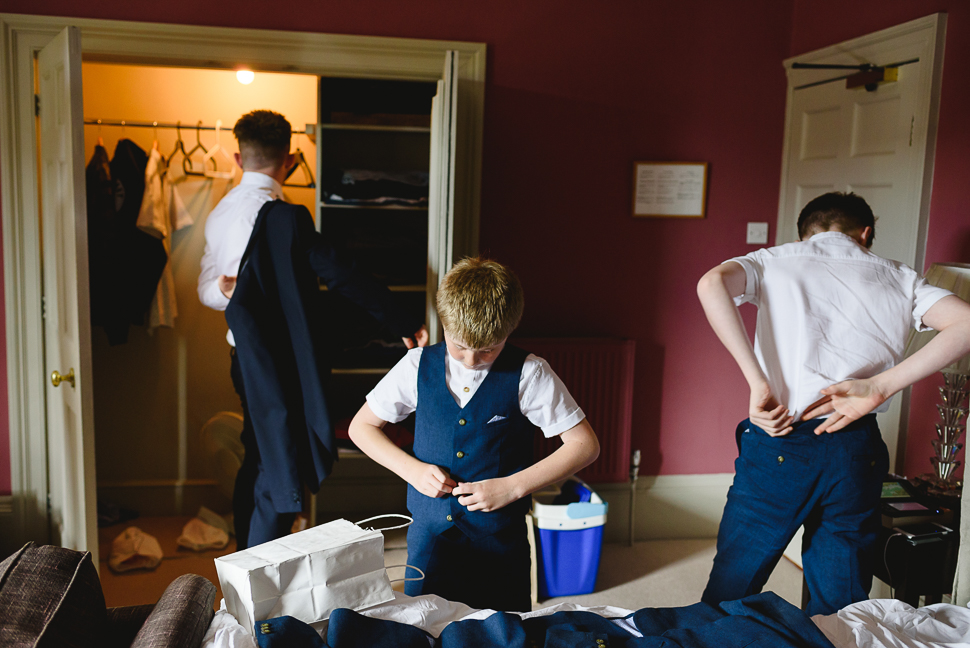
139 257
279 323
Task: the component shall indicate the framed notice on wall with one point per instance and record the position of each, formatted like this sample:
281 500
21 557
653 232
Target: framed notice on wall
669 189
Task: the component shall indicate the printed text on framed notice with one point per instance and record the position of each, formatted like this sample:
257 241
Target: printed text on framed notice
669 189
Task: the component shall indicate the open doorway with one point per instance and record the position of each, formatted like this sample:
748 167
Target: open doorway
159 378
51 436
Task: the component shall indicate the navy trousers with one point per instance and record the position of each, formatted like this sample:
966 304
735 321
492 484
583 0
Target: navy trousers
831 484
492 572
255 520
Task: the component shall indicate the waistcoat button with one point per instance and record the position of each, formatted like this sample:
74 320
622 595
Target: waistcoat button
448 517
462 421
459 454
781 459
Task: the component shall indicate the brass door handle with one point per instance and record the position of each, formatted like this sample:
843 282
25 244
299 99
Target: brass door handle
57 378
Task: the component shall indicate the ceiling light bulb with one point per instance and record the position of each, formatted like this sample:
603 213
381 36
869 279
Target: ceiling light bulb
245 77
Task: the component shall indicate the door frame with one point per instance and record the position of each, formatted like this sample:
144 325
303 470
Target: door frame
929 35
22 36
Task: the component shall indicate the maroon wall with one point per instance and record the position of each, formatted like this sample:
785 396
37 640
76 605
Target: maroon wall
573 97
818 23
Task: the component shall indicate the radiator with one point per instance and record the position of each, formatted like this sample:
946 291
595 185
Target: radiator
599 374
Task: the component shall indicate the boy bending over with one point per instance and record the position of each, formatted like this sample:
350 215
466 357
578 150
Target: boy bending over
829 311
477 400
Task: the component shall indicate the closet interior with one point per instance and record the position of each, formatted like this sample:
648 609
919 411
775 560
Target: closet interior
164 407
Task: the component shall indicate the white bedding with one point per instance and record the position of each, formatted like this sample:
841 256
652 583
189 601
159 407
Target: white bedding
879 623
888 623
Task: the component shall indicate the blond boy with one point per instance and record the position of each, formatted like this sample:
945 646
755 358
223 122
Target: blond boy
477 401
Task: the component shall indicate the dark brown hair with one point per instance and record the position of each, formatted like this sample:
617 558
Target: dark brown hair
847 212
264 138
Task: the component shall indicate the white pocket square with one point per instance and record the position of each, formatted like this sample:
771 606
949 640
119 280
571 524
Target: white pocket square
495 419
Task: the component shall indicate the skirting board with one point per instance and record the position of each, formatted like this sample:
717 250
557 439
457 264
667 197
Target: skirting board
667 507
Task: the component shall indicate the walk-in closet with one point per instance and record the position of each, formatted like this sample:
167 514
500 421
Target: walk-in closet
159 152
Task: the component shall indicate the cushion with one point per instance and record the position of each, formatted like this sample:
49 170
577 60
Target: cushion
50 597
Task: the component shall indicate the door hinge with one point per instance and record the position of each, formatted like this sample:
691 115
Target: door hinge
43 307
37 105
912 126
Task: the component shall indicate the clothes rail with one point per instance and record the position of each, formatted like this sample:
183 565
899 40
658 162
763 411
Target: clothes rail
139 124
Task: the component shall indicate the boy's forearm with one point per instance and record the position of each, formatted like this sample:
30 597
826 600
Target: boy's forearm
579 449
948 346
725 319
372 441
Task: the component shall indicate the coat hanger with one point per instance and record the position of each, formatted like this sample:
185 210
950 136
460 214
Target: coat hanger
155 136
301 163
218 148
179 147
100 139
187 160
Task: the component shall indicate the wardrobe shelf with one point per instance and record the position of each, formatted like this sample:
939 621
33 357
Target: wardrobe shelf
363 371
326 205
376 127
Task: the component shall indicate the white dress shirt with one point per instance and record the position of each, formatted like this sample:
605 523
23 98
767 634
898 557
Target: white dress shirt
830 310
543 398
227 232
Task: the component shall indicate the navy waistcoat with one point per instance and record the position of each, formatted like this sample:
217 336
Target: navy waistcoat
488 438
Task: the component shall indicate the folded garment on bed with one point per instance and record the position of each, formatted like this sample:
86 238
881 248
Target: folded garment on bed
885 623
761 620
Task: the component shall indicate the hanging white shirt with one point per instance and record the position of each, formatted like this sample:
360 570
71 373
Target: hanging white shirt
543 398
227 232
830 310
162 213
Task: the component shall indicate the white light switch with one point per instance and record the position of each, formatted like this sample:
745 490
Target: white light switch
757 233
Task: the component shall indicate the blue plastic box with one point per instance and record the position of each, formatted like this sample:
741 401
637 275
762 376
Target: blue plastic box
569 539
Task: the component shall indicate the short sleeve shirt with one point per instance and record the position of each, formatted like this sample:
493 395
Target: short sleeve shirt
543 398
830 310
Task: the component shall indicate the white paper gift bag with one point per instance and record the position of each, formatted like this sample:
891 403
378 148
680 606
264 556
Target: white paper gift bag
306 575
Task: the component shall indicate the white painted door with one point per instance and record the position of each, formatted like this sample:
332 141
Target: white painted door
441 185
67 335
859 141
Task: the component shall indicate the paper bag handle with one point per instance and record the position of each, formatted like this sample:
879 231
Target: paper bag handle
406 566
389 515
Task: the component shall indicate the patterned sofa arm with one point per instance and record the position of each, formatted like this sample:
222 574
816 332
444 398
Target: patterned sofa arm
51 597
181 616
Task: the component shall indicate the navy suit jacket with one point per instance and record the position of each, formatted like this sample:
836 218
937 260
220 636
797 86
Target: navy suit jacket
278 319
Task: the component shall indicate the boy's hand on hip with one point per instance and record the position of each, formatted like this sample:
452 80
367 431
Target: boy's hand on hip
765 412
432 481
227 285
487 495
851 400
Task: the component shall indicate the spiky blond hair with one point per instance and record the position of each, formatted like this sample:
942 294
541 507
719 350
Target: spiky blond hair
479 302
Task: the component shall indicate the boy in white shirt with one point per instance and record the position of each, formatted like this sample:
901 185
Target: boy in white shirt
264 144
833 321
477 401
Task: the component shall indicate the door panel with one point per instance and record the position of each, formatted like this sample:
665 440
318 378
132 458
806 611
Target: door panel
67 335
441 185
